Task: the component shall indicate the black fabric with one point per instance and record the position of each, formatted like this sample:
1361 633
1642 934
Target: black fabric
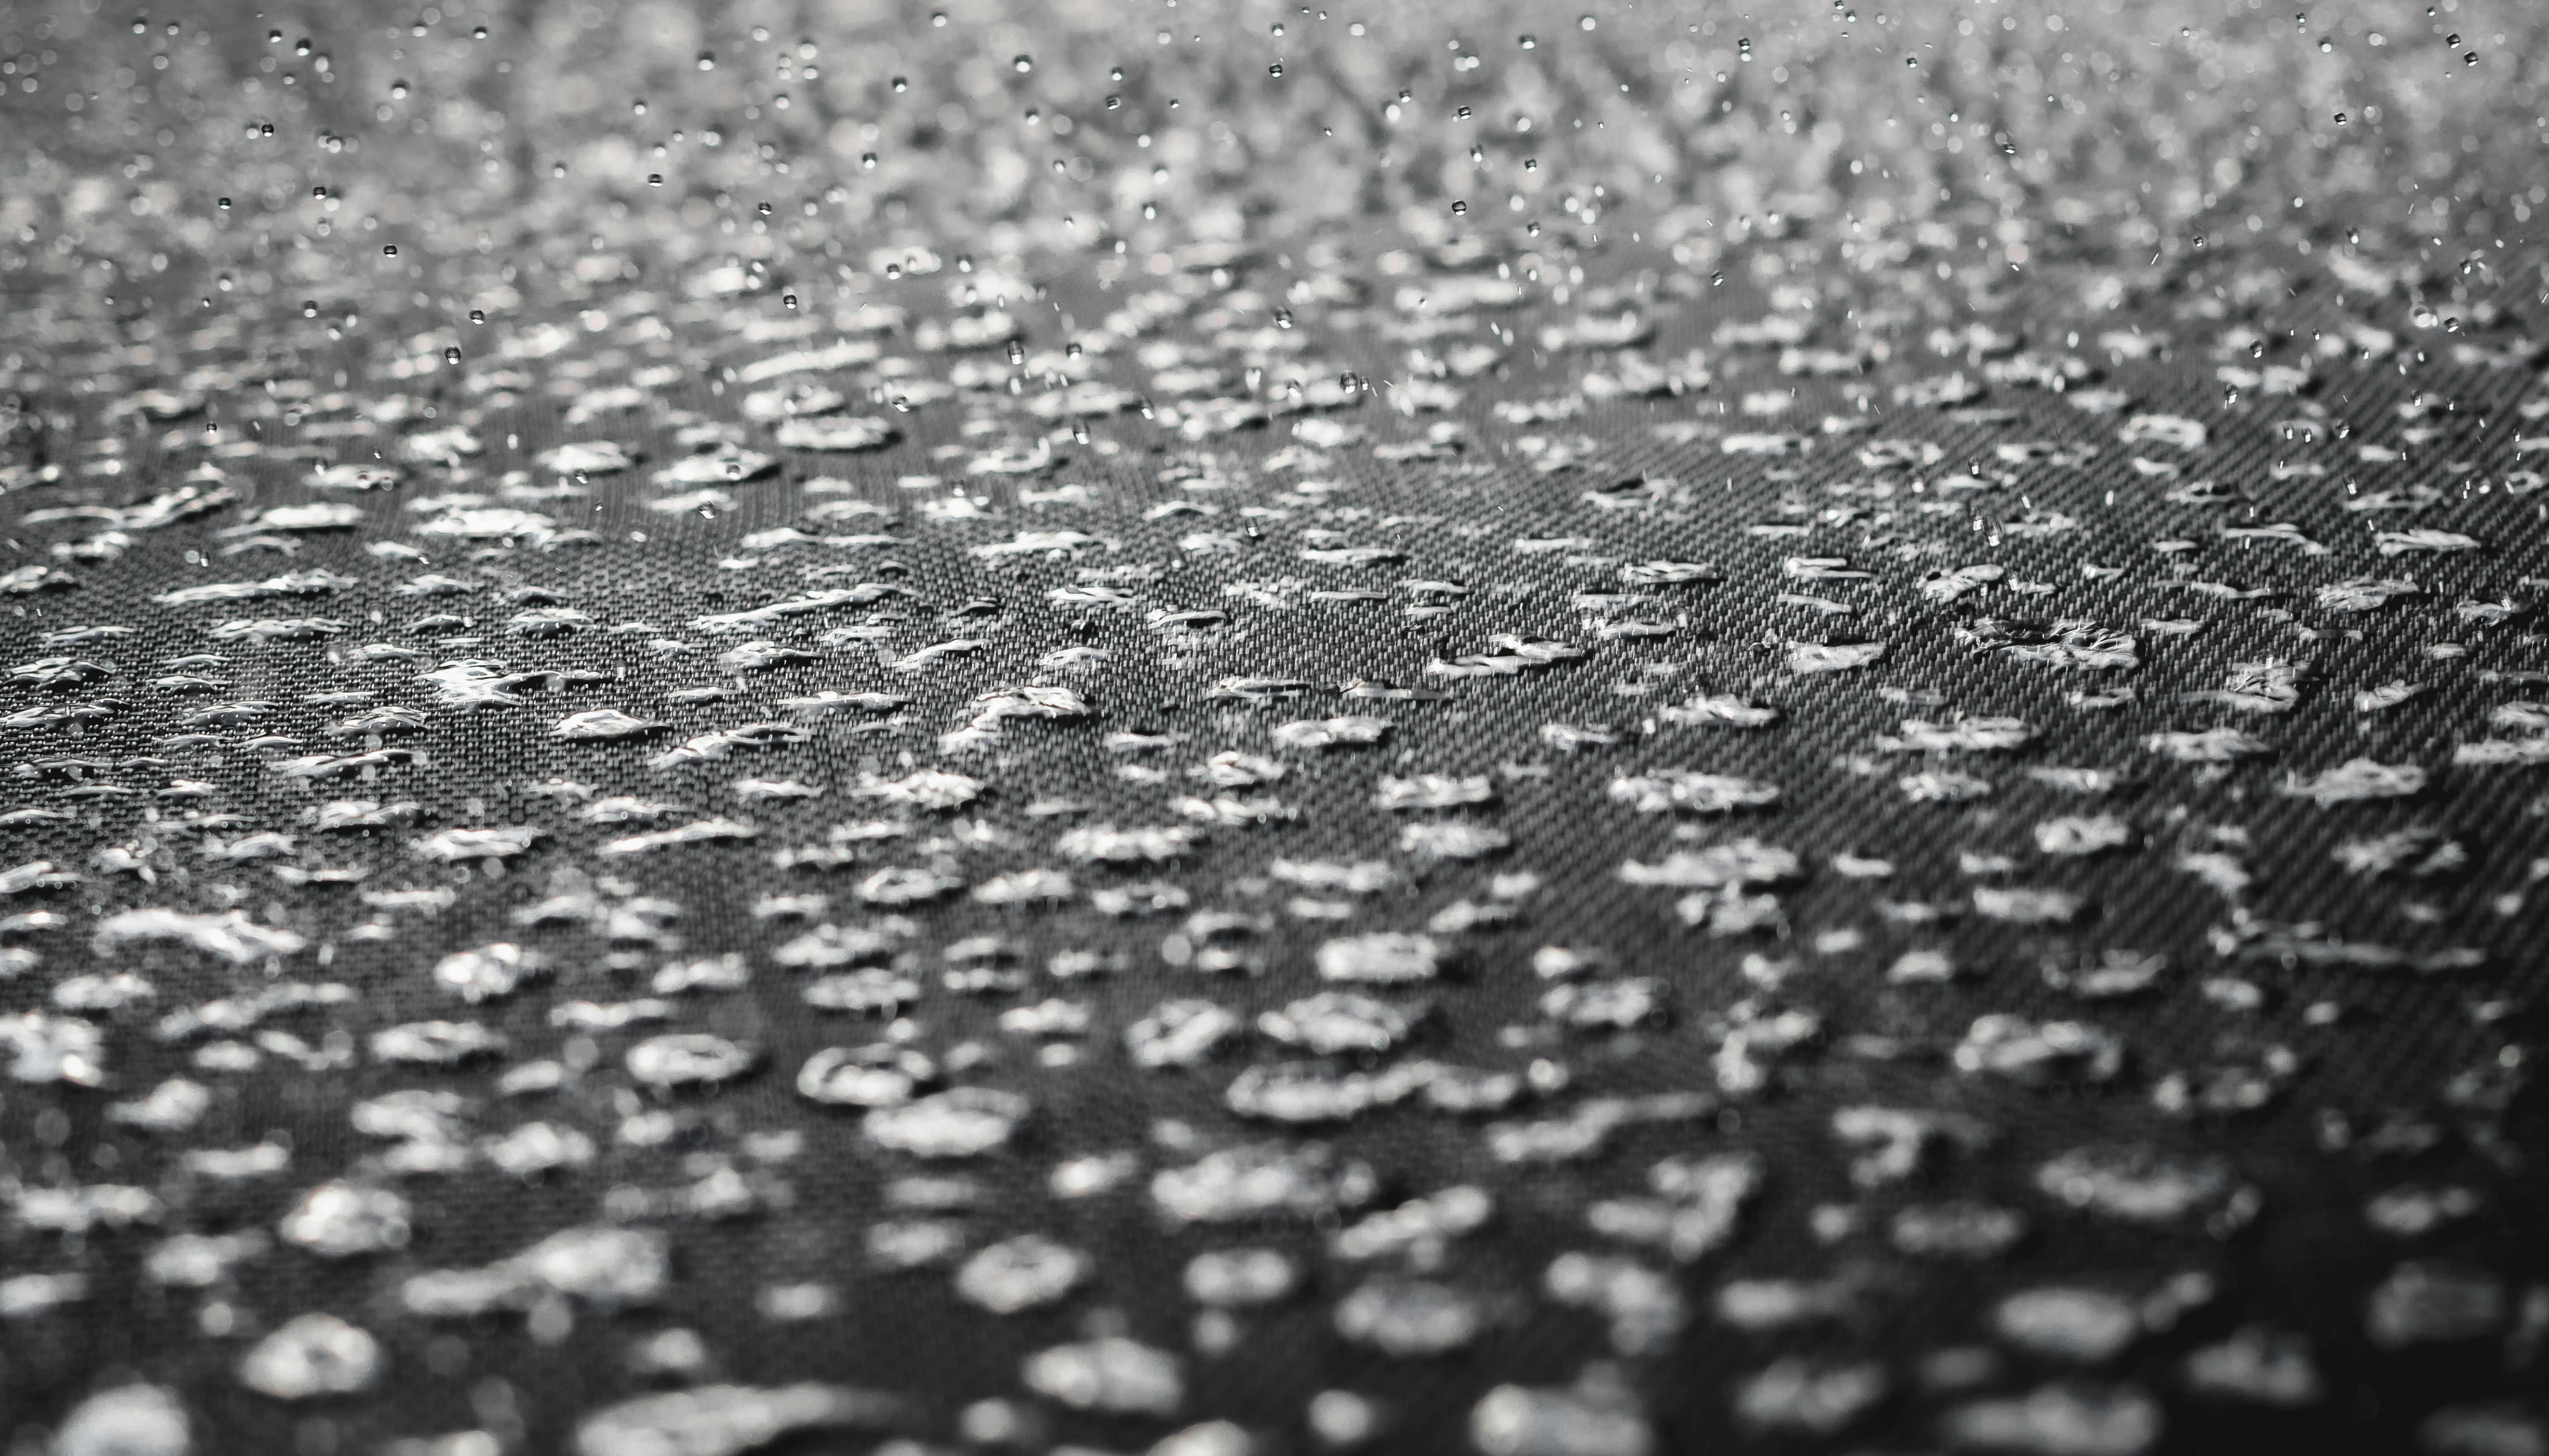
1866 615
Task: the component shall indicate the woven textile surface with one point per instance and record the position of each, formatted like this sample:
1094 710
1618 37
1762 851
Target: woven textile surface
1219 728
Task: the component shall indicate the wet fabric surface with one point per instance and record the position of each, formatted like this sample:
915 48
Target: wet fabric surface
844 731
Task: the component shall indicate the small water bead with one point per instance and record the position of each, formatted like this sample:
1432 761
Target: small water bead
726 1418
1021 1273
312 1355
128 1420
1518 1421
1239 1278
1113 1375
694 1058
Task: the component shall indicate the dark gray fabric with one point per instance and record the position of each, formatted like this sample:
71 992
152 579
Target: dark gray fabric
1917 738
